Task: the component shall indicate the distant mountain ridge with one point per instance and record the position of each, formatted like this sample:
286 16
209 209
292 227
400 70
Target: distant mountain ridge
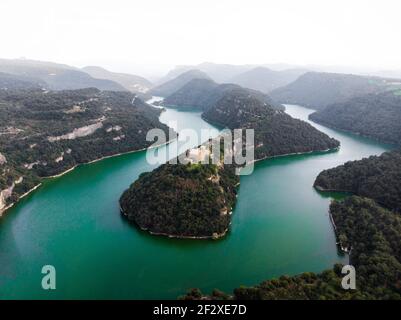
13 82
56 76
258 77
177 83
317 90
133 83
266 80
204 93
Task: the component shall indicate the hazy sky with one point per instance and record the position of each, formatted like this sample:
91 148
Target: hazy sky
125 35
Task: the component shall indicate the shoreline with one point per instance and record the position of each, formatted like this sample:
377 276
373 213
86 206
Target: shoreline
358 134
338 242
173 236
295 154
2 211
108 157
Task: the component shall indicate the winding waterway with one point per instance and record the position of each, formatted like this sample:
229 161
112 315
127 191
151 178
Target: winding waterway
280 226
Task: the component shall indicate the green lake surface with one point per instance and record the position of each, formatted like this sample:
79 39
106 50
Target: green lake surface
279 226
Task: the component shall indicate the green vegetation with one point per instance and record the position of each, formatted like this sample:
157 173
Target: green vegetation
377 116
373 233
191 200
318 90
44 133
377 177
276 133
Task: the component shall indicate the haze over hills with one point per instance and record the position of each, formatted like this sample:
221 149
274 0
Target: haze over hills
133 83
204 93
218 72
266 80
318 90
376 116
228 73
10 82
56 76
177 83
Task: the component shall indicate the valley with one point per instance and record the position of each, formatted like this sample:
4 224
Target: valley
286 226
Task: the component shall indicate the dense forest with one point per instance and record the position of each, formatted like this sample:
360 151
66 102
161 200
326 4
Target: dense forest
318 90
183 200
373 233
204 93
376 177
43 133
276 133
377 116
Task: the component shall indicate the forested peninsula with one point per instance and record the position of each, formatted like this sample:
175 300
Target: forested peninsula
376 177
183 200
376 116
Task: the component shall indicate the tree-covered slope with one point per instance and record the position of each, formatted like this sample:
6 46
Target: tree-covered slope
204 93
373 233
276 133
179 200
43 133
376 177
171 86
318 90
377 116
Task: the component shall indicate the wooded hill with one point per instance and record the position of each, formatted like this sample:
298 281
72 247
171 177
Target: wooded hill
276 133
183 200
317 90
376 177
376 116
43 133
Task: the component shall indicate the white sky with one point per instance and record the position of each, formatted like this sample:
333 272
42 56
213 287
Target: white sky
150 34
